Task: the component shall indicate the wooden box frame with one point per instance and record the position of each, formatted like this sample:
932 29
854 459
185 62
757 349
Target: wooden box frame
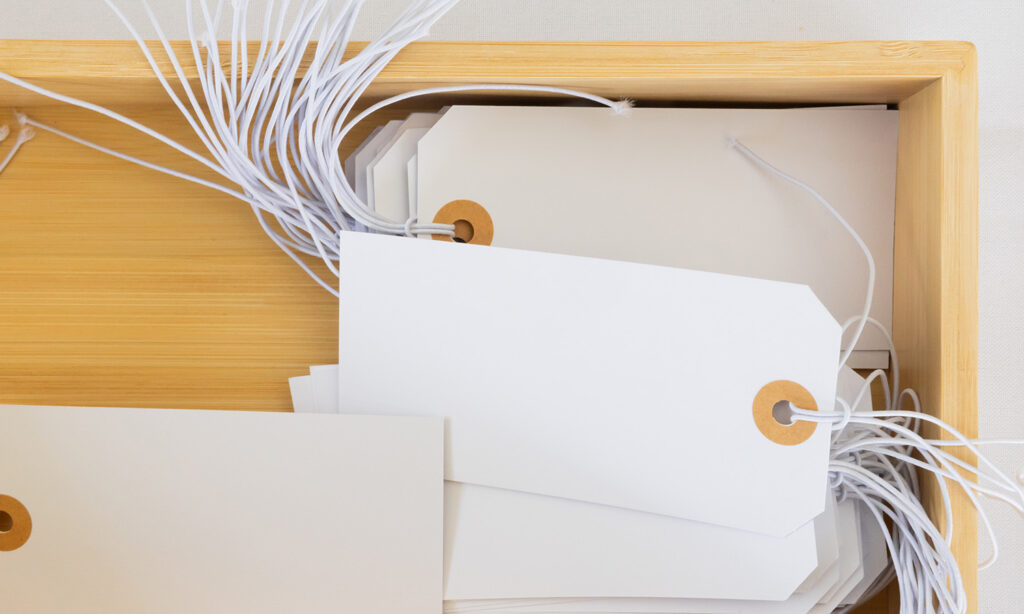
120 287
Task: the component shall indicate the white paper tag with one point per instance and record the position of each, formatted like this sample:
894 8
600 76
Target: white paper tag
165 511
875 550
390 176
609 382
386 173
826 539
507 544
875 554
798 603
412 182
324 380
363 155
830 580
302 392
350 161
663 186
851 569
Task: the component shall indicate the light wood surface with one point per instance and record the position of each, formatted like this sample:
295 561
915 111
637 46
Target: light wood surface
936 264
120 286
804 72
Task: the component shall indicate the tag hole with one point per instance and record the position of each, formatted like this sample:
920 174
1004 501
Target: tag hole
783 413
6 522
463 231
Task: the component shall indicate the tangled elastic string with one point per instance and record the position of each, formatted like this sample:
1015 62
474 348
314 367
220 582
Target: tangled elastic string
272 129
875 458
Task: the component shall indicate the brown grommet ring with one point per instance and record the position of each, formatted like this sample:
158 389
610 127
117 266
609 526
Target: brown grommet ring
15 524
764 405
472 222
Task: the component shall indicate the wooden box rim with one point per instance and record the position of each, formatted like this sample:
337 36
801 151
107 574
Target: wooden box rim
934 84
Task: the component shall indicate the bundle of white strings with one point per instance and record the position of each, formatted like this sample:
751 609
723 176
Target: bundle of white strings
876 457
272 130
273 127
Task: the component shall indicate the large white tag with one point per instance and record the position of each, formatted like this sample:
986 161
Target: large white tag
663 186
616 383
165 511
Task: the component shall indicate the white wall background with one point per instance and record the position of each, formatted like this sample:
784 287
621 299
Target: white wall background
995 26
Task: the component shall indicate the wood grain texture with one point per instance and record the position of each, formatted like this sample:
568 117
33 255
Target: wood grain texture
805 72
935 277
125 287
121 286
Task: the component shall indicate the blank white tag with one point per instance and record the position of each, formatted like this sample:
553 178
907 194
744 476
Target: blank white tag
302 392
324 380
165 511
799 603
507 544
350 162
804 601
303 404
615 383
851 569
663 186
826 539
875 550
390 176
412 182
875 554
364 154
387 174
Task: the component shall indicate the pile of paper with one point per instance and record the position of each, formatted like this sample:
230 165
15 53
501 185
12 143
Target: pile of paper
600 450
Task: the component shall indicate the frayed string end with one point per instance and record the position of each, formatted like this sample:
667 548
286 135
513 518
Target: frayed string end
623 107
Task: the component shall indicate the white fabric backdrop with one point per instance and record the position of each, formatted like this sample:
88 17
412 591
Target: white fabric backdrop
995 26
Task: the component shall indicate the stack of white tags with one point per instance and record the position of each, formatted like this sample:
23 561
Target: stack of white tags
604 446
656 186
382 169
590 405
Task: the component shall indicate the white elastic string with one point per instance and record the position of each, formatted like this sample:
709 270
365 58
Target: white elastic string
875 457
274 127
849 229
926 560
134 160
108 113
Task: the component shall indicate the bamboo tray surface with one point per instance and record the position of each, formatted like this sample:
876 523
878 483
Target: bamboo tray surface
120 286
